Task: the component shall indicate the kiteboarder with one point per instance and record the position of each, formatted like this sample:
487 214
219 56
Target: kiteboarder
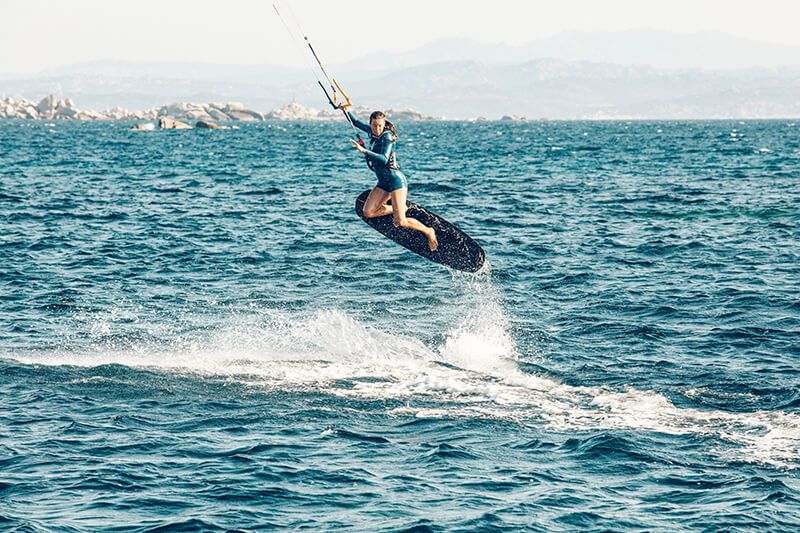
391 182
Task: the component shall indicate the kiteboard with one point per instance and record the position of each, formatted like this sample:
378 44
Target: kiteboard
456 249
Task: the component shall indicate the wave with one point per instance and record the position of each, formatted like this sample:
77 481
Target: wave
476 371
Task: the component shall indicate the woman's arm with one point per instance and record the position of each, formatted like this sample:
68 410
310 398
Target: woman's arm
383 157
358 124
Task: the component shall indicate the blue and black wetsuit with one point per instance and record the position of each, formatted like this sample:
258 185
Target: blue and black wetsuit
381 159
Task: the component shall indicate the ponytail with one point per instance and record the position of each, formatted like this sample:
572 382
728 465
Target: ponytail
389 126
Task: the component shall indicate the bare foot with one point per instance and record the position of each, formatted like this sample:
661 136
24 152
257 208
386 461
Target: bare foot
433 243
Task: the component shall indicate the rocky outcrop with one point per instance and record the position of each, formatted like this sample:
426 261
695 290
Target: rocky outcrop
295 111
406 114
363 113
52 108
231 111
48 108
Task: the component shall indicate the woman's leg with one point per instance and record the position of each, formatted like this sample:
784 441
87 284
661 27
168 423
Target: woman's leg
400 219
375 206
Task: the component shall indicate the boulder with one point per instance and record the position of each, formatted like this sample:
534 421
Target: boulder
89 115
255 114
47 105
179 107
216 114
28 112
202 124
66 112
167 123
198 114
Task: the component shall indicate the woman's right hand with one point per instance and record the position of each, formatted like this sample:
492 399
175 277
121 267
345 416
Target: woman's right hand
358 146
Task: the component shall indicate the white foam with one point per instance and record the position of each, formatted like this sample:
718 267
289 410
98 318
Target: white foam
474 372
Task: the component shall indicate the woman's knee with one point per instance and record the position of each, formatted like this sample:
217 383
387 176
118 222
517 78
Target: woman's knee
372 211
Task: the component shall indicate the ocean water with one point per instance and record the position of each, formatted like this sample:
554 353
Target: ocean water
197 333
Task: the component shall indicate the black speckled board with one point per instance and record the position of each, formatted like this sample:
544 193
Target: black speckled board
456 249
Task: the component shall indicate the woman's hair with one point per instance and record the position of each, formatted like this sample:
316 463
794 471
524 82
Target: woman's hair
387 125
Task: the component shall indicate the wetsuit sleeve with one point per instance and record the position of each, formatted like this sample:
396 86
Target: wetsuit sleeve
358 124
383 157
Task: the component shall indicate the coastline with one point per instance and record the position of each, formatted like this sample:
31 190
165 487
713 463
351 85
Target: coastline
52 108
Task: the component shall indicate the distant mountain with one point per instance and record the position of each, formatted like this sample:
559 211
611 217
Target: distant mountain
599 75
566 89
708 50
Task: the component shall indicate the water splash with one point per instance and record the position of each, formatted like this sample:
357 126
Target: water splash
474 372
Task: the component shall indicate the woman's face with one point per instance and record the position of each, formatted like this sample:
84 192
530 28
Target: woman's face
377 125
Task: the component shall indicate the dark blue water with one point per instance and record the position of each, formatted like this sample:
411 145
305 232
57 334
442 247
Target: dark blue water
197 333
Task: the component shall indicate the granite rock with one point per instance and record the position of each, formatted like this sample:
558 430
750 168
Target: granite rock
167 123
50 107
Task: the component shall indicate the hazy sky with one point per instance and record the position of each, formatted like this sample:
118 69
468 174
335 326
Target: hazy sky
36 34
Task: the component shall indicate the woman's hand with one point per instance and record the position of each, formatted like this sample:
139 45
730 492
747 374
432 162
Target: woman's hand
358 146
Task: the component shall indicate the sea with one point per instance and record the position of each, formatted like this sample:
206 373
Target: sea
197 333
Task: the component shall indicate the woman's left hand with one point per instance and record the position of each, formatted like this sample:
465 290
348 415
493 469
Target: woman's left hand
358 146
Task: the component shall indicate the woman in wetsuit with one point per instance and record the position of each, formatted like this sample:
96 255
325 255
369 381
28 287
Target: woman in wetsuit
391 182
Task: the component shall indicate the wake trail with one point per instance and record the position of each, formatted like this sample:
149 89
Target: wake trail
474 372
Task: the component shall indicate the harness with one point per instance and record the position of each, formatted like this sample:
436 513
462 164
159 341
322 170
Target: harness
378 141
